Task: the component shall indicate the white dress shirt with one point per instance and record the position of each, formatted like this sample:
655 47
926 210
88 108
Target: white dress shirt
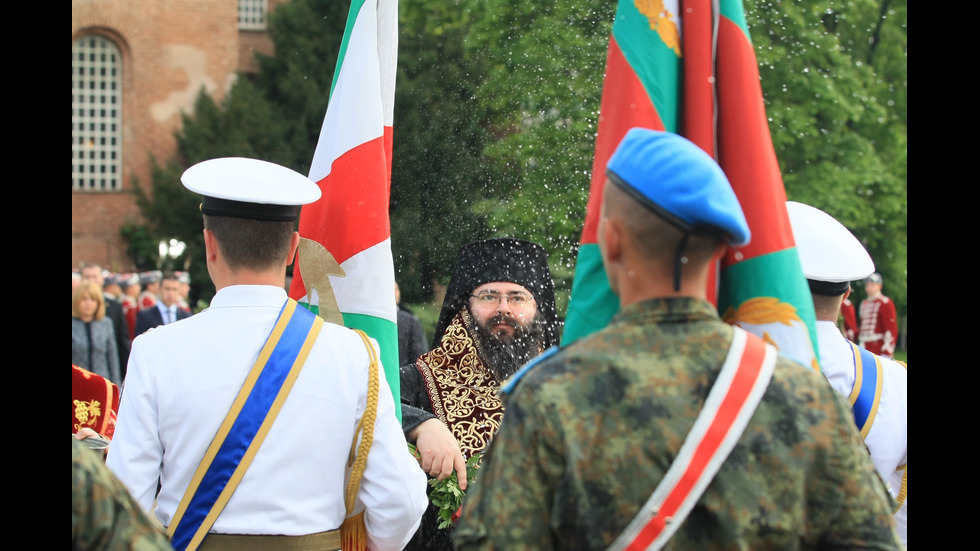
167 313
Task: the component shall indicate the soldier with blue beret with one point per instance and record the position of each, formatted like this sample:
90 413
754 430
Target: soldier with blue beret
626 438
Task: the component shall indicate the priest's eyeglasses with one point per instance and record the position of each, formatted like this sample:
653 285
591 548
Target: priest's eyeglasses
516 299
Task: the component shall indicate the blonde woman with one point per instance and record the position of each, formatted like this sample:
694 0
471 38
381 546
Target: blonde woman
93 337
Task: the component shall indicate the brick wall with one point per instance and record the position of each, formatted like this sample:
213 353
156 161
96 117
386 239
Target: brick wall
170 50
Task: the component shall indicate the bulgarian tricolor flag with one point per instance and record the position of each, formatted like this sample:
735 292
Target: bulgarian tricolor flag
762 287
641 88
698 77
352 165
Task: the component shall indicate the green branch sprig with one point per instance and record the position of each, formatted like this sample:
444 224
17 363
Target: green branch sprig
446 494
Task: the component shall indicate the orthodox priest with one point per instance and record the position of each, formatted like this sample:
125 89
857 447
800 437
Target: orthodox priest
499 313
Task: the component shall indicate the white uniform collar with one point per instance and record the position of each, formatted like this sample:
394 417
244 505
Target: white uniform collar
249 295
836 357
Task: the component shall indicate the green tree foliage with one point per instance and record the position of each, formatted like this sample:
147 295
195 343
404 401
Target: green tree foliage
546 63
295 82
244 125
439 169
834 78
172 213
834 82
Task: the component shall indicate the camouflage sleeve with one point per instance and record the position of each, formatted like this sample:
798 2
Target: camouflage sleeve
103 514
508 505
863 518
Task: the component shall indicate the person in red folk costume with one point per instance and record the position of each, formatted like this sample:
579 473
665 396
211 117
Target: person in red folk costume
879 324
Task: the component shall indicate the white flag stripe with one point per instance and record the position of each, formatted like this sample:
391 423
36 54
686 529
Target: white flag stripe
388 57
358 101
371 290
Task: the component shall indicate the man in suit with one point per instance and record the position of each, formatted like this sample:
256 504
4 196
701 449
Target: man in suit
113 311
166 309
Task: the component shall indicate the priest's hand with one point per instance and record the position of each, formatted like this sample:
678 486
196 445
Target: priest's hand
84 433
439 450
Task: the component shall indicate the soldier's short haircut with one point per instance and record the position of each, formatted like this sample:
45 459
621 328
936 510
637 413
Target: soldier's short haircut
656 237
251 244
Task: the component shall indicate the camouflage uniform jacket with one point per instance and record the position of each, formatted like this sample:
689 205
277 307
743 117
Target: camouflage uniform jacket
590 432
103 514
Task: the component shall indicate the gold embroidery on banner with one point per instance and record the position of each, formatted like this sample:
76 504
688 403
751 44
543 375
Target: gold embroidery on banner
662 21
462 391
761 311
86 412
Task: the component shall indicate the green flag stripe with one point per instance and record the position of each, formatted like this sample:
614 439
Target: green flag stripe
355 9
389 349
766 276
595 304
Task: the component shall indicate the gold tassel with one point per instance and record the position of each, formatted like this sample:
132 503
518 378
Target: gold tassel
353 533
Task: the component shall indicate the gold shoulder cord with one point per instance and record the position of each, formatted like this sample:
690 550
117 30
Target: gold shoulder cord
903 492
353 532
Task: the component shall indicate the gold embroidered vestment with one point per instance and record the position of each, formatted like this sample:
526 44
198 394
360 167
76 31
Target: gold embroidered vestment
463 392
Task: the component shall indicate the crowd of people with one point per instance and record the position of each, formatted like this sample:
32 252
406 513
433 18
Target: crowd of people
110 309
255 424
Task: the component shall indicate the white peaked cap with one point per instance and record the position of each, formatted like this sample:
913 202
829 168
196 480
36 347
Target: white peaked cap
828 251
249 188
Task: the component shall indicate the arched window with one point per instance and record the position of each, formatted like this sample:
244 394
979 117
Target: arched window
251 14
96 115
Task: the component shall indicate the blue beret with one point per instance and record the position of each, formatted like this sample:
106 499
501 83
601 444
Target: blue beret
679 181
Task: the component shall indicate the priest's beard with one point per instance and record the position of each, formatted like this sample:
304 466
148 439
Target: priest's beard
505 354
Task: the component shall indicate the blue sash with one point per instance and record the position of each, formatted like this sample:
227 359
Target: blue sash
246 425
866 394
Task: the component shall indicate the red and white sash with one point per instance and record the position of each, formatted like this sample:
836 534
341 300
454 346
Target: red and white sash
741 384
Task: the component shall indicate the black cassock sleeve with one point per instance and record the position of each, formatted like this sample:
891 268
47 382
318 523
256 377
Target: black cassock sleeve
416 406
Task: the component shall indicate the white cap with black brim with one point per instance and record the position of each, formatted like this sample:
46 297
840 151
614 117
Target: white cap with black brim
249 188
830 256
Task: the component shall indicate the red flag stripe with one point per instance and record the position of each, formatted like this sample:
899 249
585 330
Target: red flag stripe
745 148
625 104
698 108
367 204
698 104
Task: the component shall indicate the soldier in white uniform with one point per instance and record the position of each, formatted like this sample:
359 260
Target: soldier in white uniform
184 377
831 257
